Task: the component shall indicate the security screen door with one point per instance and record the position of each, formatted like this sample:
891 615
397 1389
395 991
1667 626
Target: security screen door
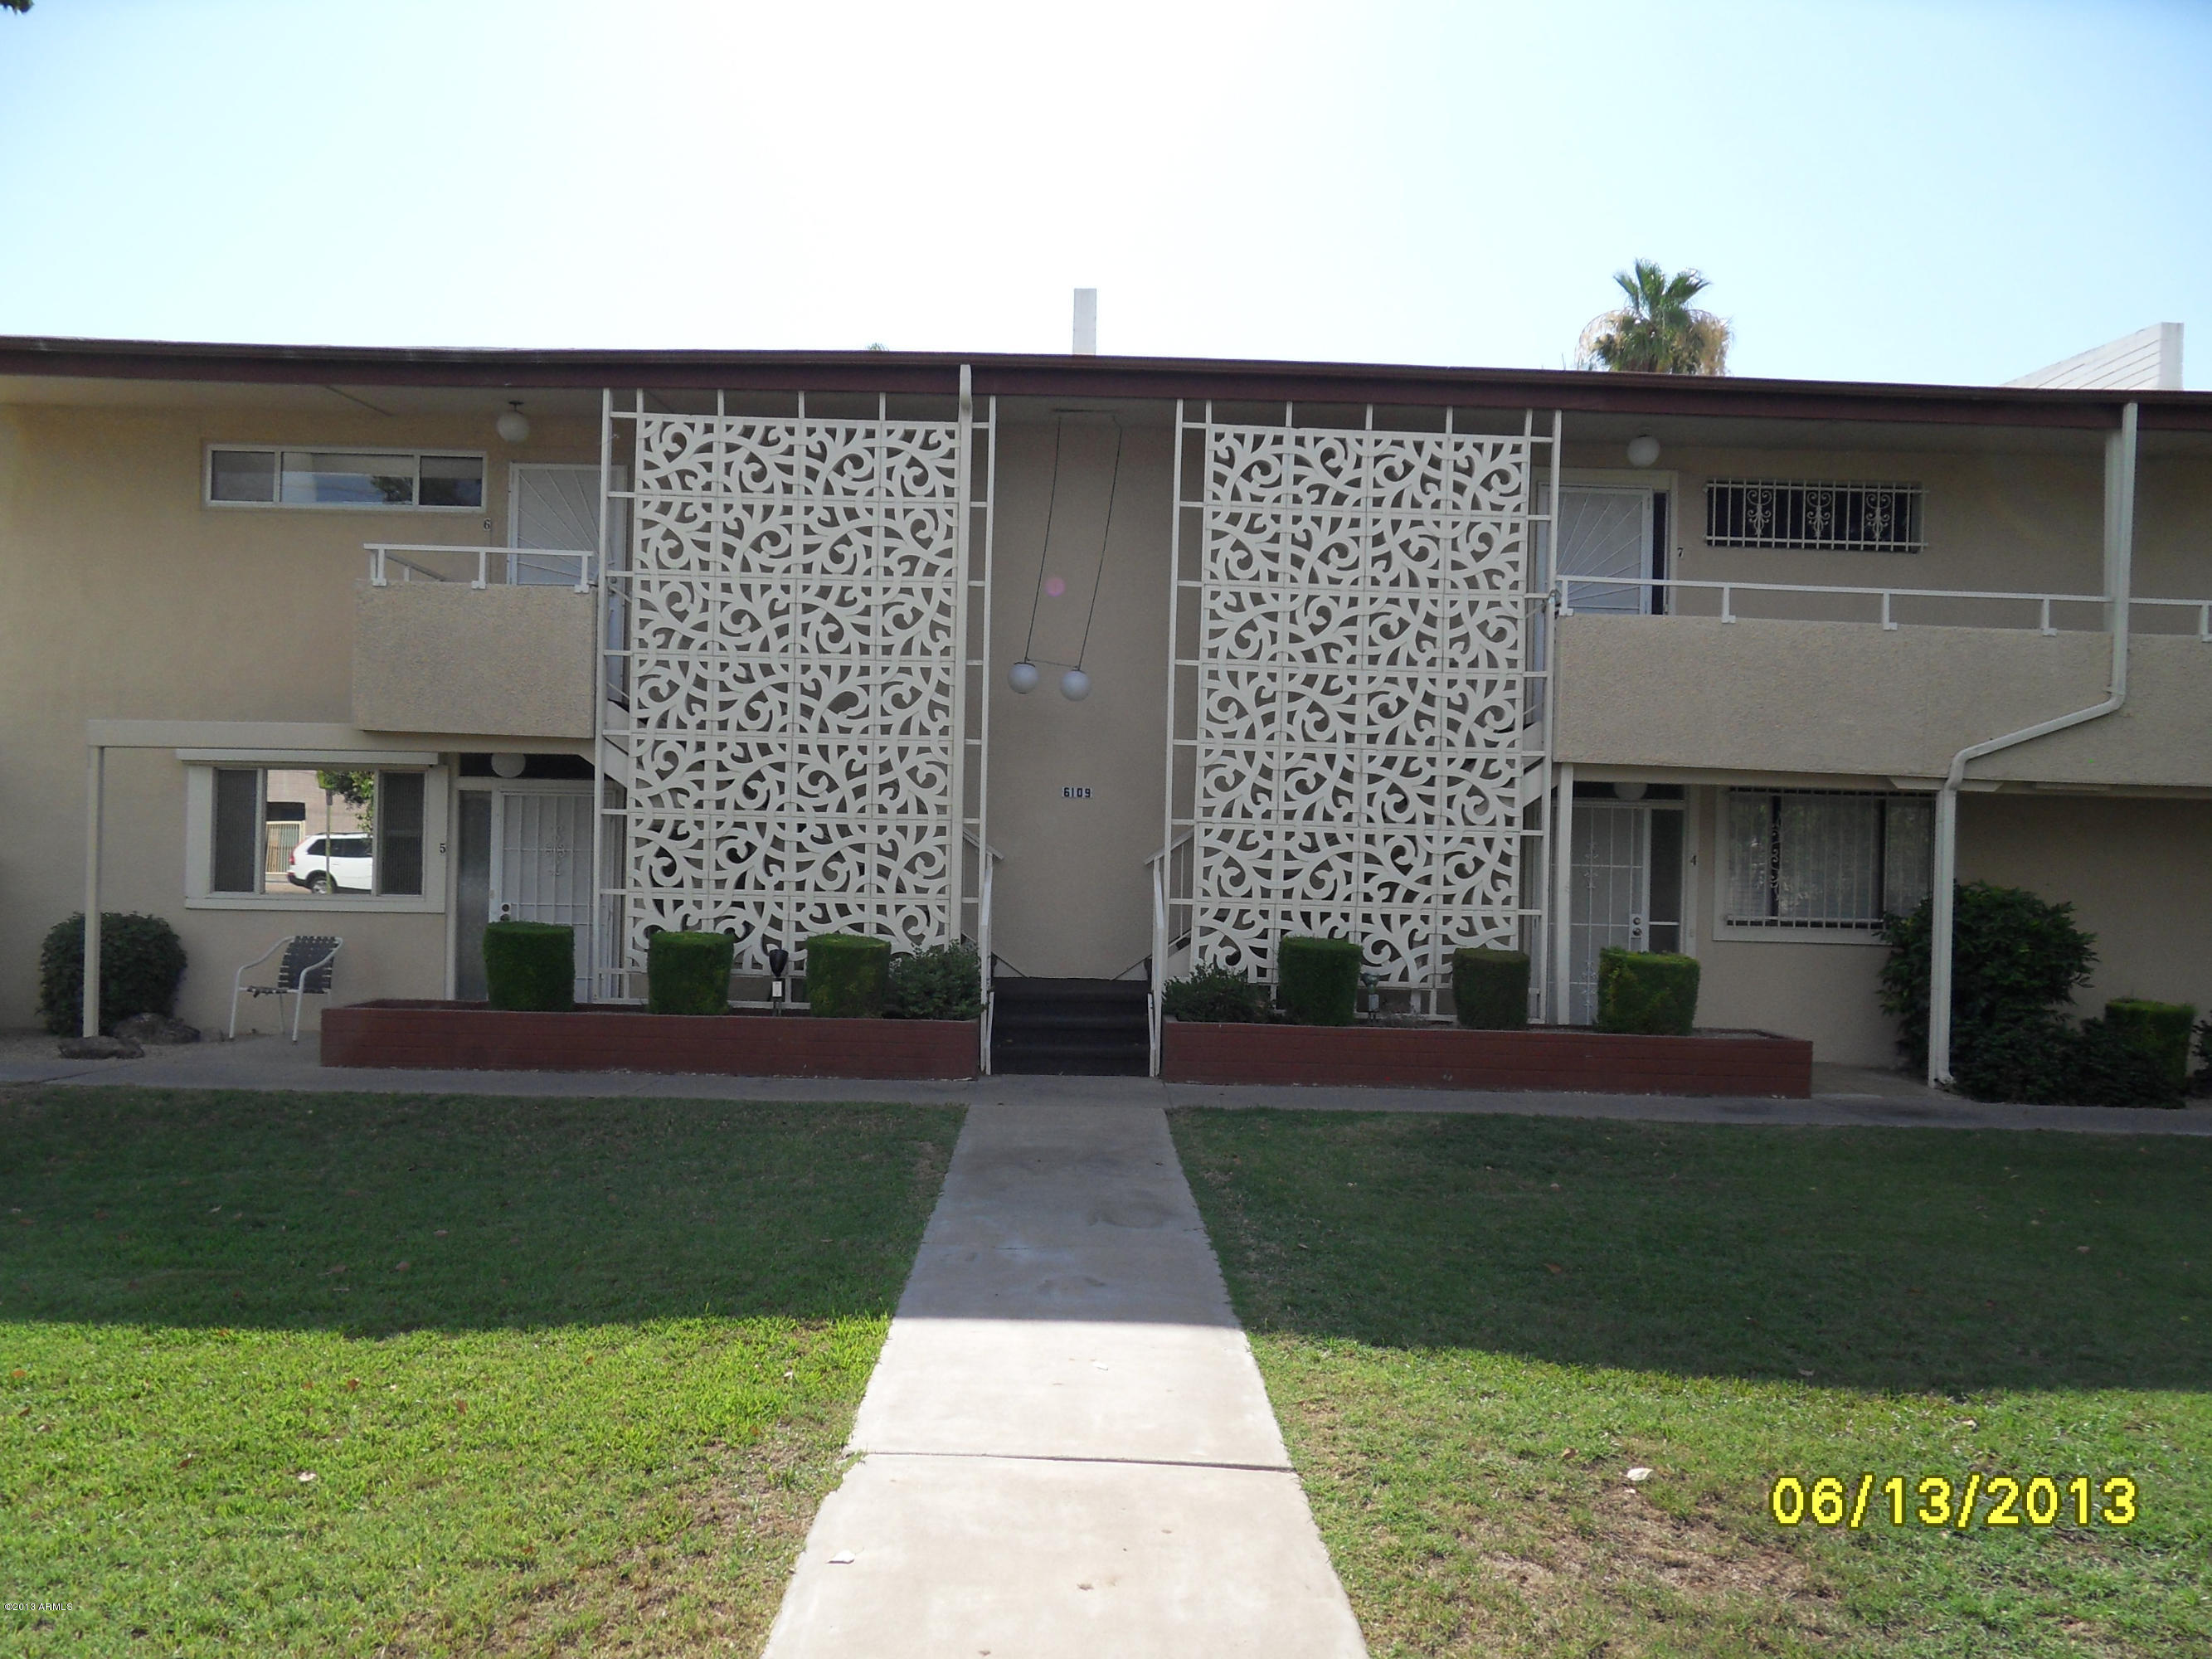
551 507
1610 894
541 864
1605 531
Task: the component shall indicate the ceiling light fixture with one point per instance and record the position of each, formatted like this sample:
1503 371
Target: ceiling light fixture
515 425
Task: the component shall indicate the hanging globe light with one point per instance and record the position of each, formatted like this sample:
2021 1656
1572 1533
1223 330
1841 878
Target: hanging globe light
1075 685
1022 677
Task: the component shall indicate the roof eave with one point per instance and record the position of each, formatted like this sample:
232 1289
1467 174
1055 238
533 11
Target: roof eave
1056 375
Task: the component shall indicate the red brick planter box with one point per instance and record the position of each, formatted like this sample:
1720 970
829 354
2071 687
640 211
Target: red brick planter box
469 1037
1445 1057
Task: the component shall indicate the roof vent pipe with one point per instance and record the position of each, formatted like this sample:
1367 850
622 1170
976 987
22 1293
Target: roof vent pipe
1087 322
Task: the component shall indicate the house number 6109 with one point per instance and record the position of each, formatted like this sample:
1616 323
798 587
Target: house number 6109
1076 792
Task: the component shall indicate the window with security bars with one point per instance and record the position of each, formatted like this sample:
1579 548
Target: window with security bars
1847 518
1807 859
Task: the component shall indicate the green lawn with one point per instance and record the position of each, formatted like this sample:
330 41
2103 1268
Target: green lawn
357 1374
1472 1326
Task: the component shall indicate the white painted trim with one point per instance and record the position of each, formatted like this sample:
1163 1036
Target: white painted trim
1693 828
449 973
392 760
324 739
307 901
528 786
199 849
1657 478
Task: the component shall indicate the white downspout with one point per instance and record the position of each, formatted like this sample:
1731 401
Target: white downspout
2119 578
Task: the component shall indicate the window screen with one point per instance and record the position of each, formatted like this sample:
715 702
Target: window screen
399 832
242 475
237 833
1807 859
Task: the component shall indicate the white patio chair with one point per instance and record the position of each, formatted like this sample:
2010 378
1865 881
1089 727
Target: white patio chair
306 971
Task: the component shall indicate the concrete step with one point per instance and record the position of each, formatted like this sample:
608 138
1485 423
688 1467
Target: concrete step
1070 1028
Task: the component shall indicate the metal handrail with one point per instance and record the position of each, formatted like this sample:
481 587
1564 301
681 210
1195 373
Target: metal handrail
383 554
1160 863
1563 603
408 570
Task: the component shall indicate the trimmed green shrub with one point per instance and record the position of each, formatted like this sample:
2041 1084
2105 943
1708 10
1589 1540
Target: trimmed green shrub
2045 1061
1490 988
2201 1083
942 982
2160 1030
1211 993
530 967
142 962
1318 980
847 977
689 973
2015 960
1647 992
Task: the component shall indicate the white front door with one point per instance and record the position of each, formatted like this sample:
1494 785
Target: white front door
1606 531
541 864
1610 894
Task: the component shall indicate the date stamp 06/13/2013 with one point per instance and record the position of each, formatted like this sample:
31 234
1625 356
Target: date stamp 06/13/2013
1935 1500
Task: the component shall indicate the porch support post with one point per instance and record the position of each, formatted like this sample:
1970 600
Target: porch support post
95 766
1562 860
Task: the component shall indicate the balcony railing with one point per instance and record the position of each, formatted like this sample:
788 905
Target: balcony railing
479 567
1883 601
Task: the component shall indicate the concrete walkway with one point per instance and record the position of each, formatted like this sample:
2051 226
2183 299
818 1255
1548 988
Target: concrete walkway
1065 1448
1842 1096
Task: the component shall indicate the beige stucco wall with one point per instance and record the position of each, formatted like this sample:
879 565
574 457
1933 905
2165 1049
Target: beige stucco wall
512 661
129 598
1994 520
2138 873
1073 896
2136 870
387 953
1855 698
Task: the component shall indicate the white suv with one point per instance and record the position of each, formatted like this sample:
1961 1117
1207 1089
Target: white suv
329 864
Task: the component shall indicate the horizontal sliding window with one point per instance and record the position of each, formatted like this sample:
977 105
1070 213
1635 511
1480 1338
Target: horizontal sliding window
1802 858
1863 518
344 477
317 833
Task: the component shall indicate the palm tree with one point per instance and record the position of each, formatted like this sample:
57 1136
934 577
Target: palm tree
1657 332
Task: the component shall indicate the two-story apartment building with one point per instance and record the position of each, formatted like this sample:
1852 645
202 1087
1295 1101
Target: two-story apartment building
1109 664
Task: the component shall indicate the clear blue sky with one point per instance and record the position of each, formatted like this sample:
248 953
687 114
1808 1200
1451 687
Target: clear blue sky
1942 192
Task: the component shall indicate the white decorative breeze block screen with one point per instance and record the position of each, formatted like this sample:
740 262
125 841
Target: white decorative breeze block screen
1360 679
796 592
